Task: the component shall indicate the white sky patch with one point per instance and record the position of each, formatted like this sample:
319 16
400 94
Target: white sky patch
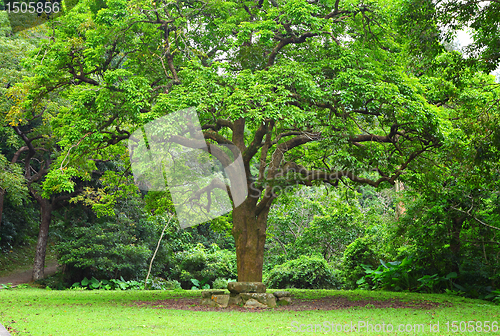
464 38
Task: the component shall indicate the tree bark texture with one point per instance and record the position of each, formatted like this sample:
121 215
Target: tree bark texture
249 232
43 235
455 243
2 195
400 207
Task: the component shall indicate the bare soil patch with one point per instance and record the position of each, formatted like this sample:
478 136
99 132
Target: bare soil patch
325 303
20 277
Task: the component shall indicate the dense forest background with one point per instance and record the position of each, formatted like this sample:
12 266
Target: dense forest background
435 228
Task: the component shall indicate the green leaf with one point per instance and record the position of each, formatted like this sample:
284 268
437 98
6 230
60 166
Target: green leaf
451 275
85 281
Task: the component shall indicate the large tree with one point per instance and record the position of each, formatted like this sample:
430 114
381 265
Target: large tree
456 195
28 139
308 91
12 184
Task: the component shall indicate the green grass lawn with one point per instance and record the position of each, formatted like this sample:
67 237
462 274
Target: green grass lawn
45 312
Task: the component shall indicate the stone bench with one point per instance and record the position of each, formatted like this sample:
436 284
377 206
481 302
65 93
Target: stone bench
214 298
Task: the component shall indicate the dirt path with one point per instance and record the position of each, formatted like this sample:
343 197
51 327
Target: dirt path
19 277
325 303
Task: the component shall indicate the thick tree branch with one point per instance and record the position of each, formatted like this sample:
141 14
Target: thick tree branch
31 152
288 145
285 134
58 202
82 77
18 153
218 125
305 176
265 149
239 134
214 184
370 137
277 157
216 137
285 42
256 143
202 145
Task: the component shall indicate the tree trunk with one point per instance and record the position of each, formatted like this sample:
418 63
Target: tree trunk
400 207
249 232
2 194
43 235
455 242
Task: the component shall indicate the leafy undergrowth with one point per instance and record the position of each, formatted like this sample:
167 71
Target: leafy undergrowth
42 312
120 284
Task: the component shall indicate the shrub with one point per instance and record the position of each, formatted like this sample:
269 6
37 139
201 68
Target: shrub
197 285
104 250
358 253
221 283
304 272
395 275
163 284
19 225
202 264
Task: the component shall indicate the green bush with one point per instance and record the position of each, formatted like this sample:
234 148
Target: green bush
202 264
395 275
358 253
401 276
19 225
104 250
110 247
158 283
197 285
304 272
221 283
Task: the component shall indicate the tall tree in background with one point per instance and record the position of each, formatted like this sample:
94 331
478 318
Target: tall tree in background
308 92
458 186
427 23
12 184
35 153
30 141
